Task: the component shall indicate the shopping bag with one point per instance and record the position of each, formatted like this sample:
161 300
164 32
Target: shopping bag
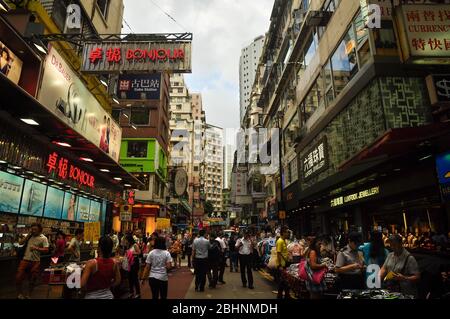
272 264
302 270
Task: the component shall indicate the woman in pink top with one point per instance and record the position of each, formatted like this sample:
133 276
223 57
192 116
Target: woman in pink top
60 246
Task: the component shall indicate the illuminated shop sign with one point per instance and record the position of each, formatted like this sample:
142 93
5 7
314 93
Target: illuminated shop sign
66 170
115 57
338 201
139 87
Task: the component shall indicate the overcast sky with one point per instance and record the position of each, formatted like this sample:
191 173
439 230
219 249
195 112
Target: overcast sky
221 28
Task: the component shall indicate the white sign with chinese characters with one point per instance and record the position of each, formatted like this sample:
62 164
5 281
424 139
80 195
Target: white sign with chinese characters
425 30
316 160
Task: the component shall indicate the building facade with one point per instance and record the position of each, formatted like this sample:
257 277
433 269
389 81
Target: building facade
363 127
248 64
213 169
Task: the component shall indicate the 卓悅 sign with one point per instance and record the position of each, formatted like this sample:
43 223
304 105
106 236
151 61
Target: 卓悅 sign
139 87
66 170
424 30
315 160
136 57
64 94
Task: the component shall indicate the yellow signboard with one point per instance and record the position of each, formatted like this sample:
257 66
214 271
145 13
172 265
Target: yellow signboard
162 223
92 232
282 214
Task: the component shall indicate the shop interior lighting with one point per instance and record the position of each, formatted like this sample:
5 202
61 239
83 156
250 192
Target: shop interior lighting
30 122
117 178
134 127
116 101
104 82
126 115
104 170
86 159
425 157
63 144
127 185
3 8
16 167
2 162
129 104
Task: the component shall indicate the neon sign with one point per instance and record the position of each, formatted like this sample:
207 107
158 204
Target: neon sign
66 170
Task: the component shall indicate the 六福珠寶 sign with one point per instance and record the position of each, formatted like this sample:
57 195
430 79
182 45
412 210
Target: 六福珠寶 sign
315 160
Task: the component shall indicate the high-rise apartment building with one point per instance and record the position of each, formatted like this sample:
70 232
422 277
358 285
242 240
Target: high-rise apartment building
213 170
248 64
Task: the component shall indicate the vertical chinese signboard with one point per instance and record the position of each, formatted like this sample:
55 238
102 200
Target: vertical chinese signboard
424 31
315 160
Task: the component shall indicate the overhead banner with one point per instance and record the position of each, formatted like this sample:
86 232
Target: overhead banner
139 87
10 64
64 94
424 30
136 57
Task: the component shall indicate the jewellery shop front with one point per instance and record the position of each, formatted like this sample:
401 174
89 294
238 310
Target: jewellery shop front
52 168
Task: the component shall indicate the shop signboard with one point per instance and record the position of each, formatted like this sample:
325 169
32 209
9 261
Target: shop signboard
10 64
125 213
33 198
11 187
439 88
342 200
162 223
424 31
69 206
180 182
315 160
54 203
443 167
139 87
136 57
66 170
83 209
64 94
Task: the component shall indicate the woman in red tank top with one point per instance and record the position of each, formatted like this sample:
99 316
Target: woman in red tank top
102 273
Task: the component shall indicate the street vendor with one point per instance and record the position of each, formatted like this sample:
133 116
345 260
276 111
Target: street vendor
349 264
400 270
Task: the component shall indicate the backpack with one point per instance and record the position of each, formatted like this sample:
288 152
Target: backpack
214 251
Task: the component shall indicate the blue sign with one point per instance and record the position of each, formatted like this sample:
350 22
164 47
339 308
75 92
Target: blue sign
83 209
10 192
139 87
94 214
54 203
443 168
33 198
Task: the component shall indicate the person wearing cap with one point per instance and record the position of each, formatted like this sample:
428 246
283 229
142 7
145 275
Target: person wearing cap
400 270
349 264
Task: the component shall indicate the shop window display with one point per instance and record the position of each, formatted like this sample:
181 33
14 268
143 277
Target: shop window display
137 149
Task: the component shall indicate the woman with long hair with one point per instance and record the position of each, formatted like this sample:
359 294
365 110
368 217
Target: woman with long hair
132 254
313 260
101 273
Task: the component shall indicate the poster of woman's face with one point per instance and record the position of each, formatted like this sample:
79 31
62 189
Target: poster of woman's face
10 64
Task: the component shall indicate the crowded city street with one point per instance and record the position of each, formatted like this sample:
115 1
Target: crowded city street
264 152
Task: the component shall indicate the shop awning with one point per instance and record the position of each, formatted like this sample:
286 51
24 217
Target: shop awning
401 141
16 103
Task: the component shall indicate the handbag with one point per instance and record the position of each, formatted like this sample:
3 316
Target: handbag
302 270
272 264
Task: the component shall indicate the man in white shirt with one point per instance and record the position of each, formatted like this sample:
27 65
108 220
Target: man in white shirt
200 249
222 260
245 246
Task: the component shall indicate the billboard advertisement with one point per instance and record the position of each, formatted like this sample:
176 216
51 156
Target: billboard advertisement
83 209
33 198
69 207
10 64
11 187
443 168
94 213
136 57
64 94
54 203
139 87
